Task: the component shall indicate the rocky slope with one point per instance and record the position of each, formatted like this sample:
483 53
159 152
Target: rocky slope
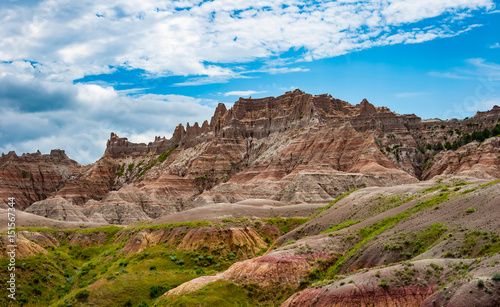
295 148
413 245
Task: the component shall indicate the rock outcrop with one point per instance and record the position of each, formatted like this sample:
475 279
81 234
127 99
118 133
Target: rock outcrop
115 210
245 242
34 177
57 208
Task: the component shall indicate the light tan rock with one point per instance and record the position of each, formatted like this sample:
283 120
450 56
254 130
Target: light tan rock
57 208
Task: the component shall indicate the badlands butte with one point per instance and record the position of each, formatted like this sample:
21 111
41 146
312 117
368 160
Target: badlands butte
298 200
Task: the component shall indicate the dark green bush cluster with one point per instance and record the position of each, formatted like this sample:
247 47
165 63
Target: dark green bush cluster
82 295
466 138
157 290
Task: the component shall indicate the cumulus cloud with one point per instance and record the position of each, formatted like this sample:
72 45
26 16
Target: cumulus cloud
82 125
68 40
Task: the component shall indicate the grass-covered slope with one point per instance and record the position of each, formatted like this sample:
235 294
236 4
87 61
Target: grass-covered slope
133 266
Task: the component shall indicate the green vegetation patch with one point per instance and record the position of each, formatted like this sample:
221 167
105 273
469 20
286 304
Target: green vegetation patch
366 234
479 243
160 159
165 155
191 224
120 170
341 226
102 275
220 293
414 243
335 201
110 231
286 224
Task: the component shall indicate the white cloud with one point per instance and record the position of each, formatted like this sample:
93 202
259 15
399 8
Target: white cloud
282 70
69 40
406 11
494 46
82 125
241 93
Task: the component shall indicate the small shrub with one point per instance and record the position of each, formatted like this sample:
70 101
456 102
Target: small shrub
383 283
156 291
152 268
496 276
470 210
199 271
435 266
291 241
448 255
128 303
180 262
82 295
480 283
37 291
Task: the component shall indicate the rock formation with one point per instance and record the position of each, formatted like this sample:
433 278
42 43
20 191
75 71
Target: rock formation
34 177
295 148
57 208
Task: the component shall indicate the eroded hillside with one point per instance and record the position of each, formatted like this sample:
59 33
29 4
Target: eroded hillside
436 242
295 148
417 245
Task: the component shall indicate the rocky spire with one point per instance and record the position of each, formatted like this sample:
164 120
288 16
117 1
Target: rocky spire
366 107
179 133
216 121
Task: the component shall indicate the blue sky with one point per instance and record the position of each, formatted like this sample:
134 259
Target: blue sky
70 73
